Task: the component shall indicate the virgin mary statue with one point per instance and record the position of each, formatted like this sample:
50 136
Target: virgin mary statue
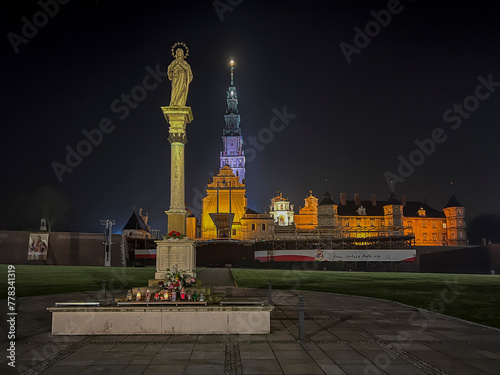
179 72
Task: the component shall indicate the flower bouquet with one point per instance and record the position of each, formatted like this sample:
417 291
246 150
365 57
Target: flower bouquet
174 234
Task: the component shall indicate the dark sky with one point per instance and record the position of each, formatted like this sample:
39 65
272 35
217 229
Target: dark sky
353 120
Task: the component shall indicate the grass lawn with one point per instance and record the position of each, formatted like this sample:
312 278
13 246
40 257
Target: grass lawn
471 297
38 280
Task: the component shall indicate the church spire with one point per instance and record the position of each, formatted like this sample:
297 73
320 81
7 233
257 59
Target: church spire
232 154
232 72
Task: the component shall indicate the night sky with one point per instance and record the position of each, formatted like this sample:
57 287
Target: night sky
353 119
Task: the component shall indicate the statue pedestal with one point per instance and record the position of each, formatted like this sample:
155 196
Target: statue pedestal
175 253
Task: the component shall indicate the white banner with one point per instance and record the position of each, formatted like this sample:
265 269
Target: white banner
371 255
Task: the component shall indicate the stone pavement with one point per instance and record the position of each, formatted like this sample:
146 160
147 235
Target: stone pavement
344 335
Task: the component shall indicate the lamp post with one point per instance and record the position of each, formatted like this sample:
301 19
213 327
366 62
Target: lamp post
107 241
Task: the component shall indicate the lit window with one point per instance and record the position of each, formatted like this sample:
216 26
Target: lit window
444 225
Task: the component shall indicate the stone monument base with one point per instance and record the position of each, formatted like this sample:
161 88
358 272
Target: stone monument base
164 320
177 254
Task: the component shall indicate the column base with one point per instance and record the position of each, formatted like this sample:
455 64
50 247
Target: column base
175 253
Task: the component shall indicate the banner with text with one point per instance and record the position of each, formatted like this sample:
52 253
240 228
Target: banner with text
375 255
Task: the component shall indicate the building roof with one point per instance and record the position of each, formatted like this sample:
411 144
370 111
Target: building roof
412 207
249 211
135 223
393 199
453 202
327 199
409 210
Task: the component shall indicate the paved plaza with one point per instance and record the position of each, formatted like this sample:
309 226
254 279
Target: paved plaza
344 335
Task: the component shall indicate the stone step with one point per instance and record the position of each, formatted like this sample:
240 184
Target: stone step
214 299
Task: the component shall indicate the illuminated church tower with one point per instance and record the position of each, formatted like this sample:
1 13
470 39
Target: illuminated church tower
232 154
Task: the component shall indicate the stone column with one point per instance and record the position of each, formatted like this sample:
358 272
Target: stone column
176 253
178 118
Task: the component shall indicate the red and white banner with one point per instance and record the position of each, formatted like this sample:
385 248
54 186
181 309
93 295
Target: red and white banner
145 254
375 255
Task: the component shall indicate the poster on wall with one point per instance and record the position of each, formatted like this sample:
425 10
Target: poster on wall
38 246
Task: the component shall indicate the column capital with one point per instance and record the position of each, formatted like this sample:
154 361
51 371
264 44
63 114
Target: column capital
177 116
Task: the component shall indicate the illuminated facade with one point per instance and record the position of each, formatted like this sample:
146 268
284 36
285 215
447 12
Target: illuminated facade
307 218
365 218
281 210
223 207
256 226
232 154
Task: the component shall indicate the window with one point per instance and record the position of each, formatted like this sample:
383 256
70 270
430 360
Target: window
424 224
253 226
234 232
425 236
453 223
443 237
358 223
434 237
372 223
346 223
409 223
263 226
444 225
434 224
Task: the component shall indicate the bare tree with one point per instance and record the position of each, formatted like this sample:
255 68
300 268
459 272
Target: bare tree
51 204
